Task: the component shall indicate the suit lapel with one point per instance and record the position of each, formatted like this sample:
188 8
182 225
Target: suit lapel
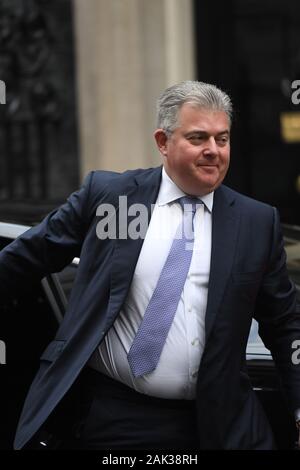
143 190
225 221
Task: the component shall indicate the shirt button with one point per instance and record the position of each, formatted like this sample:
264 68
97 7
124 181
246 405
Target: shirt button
194 374
189 309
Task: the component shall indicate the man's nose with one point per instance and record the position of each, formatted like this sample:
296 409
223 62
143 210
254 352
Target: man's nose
211 147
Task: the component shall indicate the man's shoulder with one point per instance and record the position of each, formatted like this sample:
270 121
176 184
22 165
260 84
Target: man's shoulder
244 201
126 174
100 177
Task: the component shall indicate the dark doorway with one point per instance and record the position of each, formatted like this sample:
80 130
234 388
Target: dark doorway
251 49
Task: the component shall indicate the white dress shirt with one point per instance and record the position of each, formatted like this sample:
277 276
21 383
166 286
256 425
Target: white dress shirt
176 374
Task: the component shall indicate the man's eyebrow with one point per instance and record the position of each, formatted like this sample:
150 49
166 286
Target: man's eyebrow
202 132
226 131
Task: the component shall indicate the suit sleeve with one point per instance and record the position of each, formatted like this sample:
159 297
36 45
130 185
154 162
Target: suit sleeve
49 246
278 315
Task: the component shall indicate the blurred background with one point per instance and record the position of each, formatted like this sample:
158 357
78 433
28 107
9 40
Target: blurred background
82 77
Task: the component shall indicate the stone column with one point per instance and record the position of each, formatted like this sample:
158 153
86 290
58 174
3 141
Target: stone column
127 52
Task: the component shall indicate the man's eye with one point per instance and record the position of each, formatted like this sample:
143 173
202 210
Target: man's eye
222 140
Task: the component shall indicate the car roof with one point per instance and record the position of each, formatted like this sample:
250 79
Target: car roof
12 231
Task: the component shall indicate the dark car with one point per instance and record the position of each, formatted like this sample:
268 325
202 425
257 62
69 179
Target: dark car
29 321
260 365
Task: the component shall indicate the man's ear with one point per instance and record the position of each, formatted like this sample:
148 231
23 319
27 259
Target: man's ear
161 141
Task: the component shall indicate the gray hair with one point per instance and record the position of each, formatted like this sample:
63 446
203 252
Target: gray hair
200 94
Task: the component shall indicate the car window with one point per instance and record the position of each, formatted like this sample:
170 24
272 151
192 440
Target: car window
255 345
67 277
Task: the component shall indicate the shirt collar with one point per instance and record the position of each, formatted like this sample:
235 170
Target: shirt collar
169 192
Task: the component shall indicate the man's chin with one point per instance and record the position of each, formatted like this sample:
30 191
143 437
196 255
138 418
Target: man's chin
200 189
207 185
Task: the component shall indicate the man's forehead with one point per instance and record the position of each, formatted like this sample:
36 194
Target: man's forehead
195 115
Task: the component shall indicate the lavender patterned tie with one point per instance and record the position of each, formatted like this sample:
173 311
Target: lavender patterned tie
149 341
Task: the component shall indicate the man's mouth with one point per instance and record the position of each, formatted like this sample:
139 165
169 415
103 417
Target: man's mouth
207 165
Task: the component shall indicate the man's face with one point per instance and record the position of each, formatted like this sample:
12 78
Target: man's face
196 155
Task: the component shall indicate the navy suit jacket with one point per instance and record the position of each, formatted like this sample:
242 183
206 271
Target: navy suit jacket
248 278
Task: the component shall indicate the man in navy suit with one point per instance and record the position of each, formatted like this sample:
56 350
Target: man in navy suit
198 395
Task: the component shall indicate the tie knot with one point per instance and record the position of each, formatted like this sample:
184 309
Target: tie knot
189 204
